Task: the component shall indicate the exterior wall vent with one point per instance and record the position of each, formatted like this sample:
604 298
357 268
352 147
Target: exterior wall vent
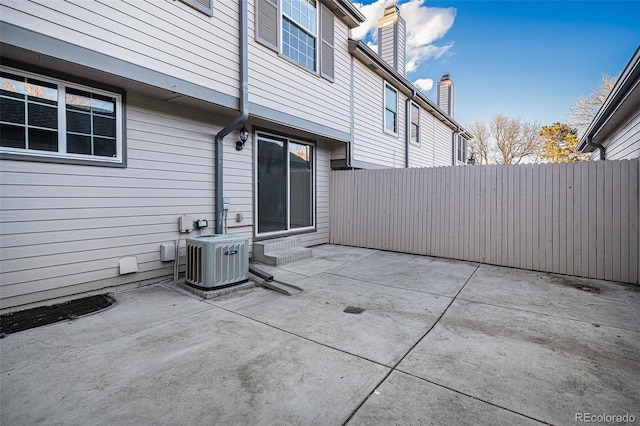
215 261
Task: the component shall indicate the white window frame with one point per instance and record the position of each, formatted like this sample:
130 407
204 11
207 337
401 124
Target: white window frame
266 135
316 38
384 110
461 147
61 154
411 123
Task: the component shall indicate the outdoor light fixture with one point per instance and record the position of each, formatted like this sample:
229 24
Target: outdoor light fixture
244 135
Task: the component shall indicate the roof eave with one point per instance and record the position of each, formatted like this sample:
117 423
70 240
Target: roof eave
346 11
626 88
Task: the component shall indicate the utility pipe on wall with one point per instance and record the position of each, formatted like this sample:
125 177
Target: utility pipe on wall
244 114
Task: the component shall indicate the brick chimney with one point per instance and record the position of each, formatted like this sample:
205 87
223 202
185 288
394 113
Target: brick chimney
445 94
392 36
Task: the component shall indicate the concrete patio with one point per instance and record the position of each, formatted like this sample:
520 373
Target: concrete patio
439 342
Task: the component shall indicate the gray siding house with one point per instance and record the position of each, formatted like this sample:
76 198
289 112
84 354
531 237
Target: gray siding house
120 118
614 133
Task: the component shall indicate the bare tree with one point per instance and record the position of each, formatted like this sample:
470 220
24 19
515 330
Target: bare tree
480 145
515 140
584 108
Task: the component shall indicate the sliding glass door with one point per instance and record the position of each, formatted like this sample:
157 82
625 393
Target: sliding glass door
285 185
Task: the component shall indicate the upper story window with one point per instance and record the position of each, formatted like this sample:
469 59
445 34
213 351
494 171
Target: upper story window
45 117
390 109
300 30
204 6
461 150
415 123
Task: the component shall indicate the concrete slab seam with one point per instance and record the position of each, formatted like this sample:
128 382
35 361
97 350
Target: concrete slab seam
394 367
389 286
211 302
545 314
473 397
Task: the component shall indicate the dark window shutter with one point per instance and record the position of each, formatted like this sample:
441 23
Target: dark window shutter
204 6
327 60
267 23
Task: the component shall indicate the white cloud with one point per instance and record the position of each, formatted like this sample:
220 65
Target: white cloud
424 84
425 25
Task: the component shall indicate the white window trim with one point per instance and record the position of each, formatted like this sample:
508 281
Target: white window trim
62 124
418 138
384 109
316 37
461 143
289 230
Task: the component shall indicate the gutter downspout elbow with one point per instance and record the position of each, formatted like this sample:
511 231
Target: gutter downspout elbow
597 145
244 115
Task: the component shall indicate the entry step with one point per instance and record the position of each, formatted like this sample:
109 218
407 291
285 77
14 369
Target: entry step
280 251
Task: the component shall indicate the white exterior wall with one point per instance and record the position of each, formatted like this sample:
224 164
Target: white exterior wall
435 148
624 143
278 83
371 143
64 227
201 49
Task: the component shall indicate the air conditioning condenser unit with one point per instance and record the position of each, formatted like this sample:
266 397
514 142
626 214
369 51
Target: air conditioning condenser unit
215 261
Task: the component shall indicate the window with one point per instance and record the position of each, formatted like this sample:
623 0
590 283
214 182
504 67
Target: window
43 117
285 185
301 30
461 150
415 123
390 109
204 6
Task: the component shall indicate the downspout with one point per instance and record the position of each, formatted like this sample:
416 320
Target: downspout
597 145
352 113
407 136
244 114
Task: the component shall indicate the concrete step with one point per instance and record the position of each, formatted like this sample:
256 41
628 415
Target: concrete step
280 251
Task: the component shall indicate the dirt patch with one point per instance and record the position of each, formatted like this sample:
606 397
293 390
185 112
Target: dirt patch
574 282
353 310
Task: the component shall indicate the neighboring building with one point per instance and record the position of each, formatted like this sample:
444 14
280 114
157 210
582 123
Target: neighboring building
394 124
614 133
112 115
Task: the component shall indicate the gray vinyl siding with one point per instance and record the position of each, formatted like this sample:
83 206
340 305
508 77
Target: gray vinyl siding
323 168
279 84
624 143
64 227
435 148
371 144
172 37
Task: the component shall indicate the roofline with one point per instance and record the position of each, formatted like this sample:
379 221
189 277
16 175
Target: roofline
363 52
626 83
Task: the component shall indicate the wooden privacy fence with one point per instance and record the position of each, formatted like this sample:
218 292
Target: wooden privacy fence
576 219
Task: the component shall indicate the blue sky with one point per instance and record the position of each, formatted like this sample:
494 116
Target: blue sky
528 59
